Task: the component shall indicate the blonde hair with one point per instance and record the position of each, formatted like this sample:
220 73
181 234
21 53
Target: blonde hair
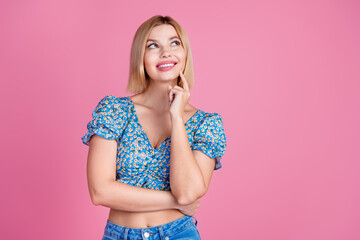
138 78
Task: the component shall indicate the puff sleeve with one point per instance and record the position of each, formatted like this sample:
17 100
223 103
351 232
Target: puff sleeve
210 138
108 120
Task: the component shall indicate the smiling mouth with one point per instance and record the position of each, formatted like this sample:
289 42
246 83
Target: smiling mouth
166 65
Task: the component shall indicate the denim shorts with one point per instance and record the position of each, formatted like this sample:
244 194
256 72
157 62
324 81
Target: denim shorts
182 228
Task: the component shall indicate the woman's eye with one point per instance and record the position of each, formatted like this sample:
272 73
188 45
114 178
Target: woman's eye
155 45
177 42
151 45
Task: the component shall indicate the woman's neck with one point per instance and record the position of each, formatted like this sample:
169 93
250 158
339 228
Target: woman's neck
156 95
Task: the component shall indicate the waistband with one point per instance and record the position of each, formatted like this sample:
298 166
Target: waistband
164 229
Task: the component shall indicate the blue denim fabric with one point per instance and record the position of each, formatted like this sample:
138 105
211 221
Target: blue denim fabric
183 228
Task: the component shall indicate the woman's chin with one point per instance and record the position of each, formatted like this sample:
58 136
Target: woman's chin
166 79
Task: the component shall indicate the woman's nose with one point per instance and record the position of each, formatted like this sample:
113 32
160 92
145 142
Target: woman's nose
166 52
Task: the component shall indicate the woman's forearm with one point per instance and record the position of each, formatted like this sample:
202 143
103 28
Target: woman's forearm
186 180
121 196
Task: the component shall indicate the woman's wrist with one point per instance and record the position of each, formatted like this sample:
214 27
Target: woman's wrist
176 119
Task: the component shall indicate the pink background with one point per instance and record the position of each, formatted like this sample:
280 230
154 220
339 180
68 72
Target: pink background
283 74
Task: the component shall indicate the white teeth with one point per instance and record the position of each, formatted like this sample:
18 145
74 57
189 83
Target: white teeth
167 65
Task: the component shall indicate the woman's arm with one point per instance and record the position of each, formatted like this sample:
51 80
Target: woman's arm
105 190
186 177
190 171
121 196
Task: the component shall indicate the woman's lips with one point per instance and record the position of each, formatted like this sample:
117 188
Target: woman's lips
163 69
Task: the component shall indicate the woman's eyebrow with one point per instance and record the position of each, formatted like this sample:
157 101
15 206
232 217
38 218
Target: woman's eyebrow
156 41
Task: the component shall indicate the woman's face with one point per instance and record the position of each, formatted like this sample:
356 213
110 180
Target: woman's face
164 54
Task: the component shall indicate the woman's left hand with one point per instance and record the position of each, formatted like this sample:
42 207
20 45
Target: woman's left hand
178 98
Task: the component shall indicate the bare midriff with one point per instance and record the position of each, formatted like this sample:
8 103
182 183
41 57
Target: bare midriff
144 219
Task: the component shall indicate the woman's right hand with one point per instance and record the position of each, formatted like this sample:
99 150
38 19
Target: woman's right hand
189 209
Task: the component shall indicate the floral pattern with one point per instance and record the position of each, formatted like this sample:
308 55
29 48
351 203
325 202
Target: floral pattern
137 162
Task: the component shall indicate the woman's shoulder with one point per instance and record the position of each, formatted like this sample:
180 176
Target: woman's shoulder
115 99
206 115
114 104
203 119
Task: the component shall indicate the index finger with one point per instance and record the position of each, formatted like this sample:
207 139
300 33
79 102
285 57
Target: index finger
185 84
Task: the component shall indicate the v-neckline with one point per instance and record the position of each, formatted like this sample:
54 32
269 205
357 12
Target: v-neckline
142 129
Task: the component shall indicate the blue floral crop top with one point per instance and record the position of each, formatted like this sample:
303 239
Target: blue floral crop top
137 162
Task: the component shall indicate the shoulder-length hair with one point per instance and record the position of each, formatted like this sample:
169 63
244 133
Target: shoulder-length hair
138 78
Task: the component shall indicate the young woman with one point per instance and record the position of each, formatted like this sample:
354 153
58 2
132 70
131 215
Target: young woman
152 154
